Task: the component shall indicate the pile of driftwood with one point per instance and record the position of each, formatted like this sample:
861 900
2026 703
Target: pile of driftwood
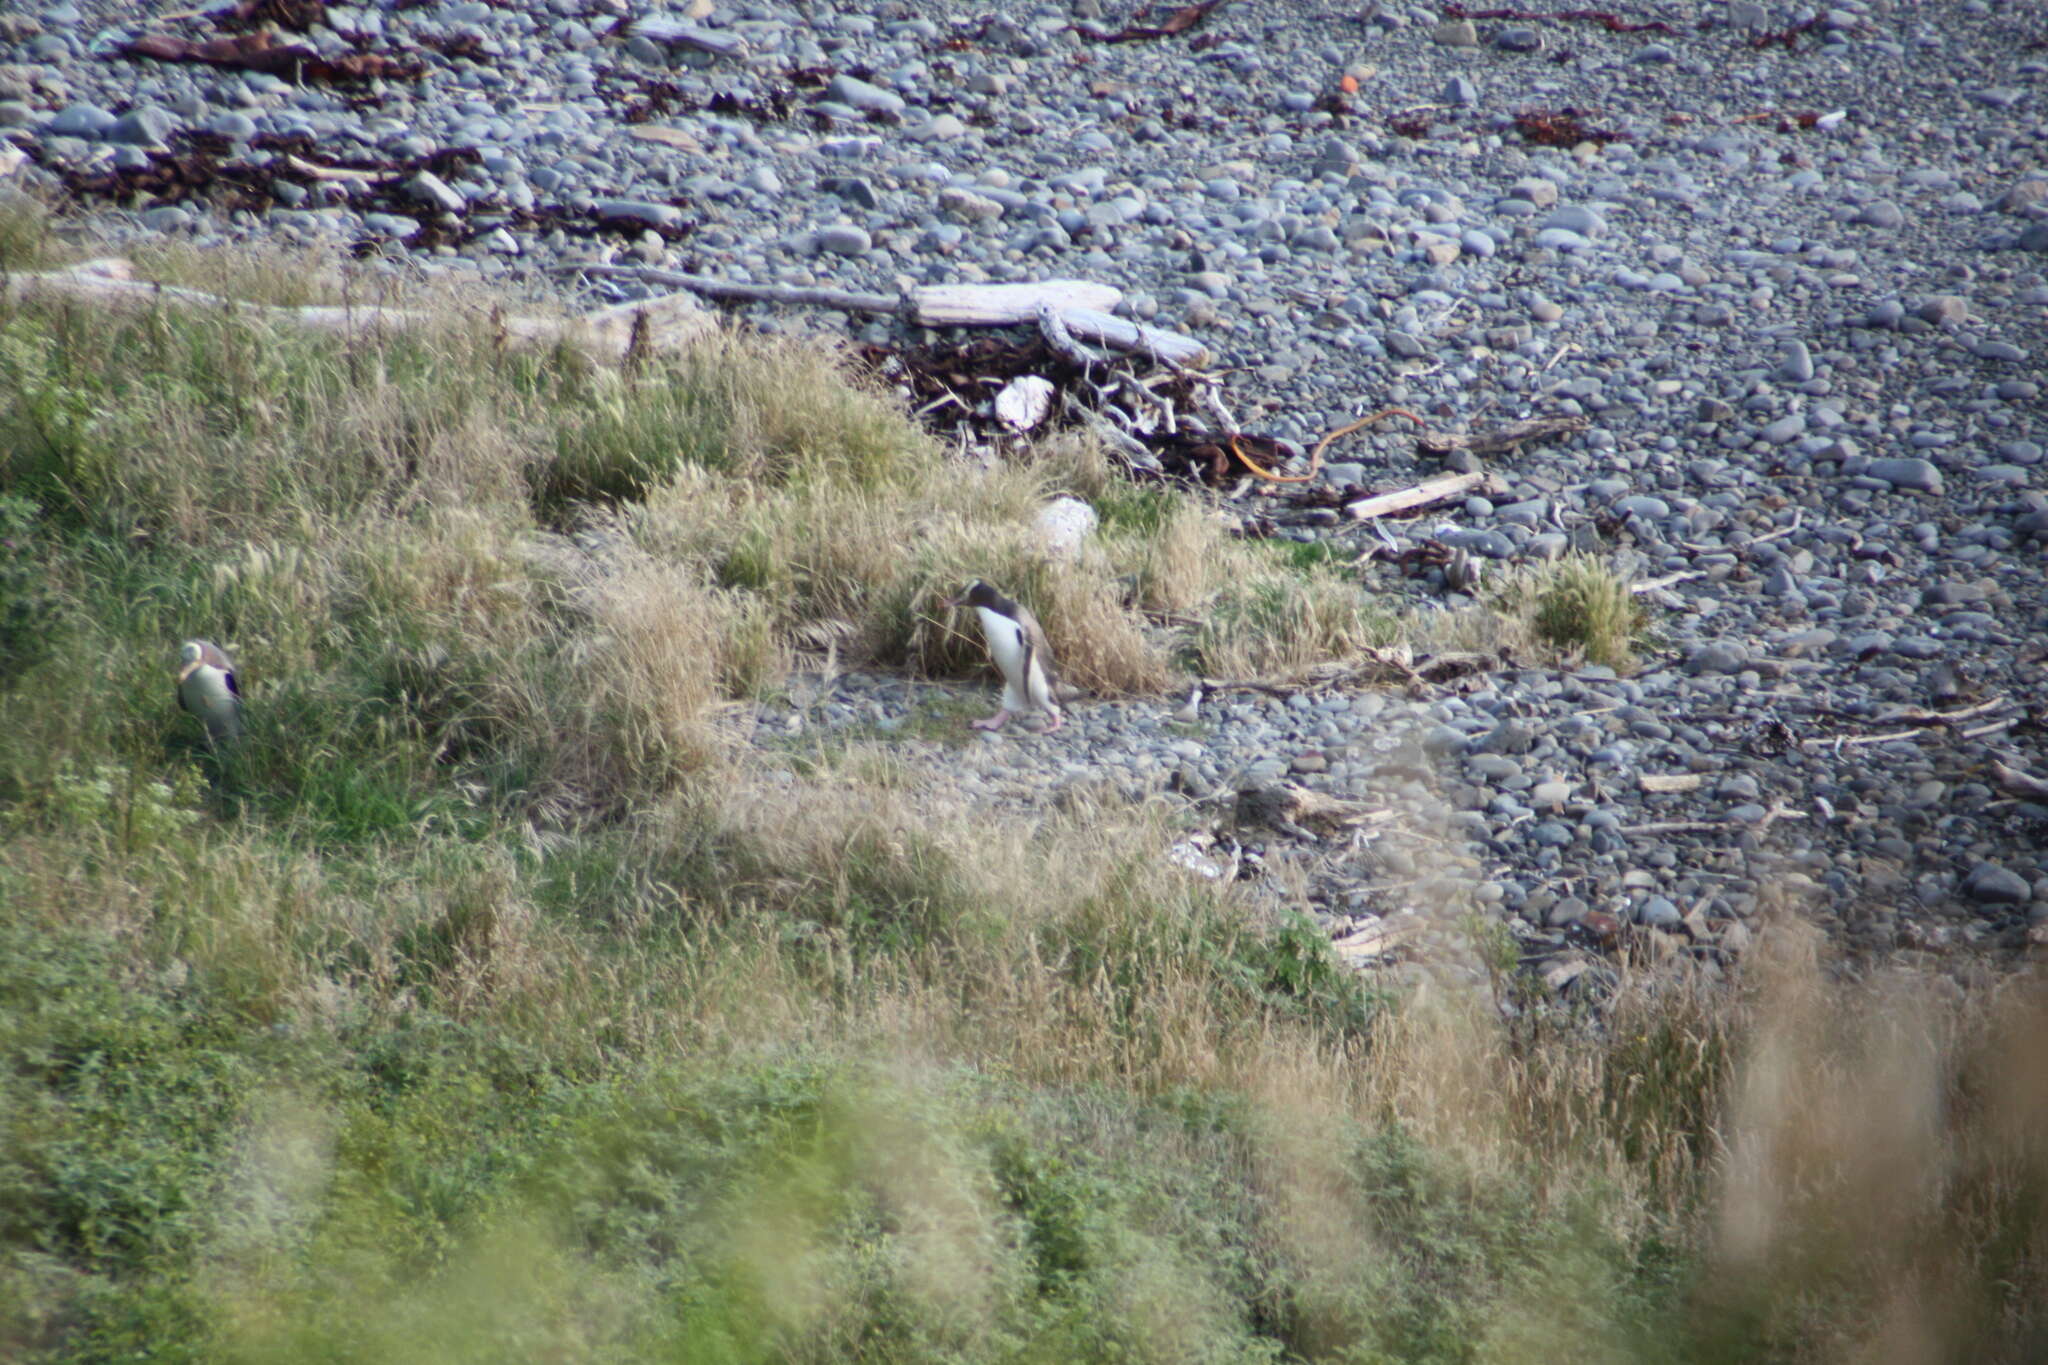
1143 389
1067 360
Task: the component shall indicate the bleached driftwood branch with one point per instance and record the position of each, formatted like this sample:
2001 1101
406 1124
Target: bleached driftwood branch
1081 306
607 334
1501 439
681 33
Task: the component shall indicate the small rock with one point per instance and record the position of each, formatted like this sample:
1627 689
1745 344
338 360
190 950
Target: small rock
1658 912
237 127
1717 656
2026 195
1797 365
632 210
1785 430
861 95
144 127
853 189
1918 476
80 120
1944 310
844 239
1064 525
965 206
1990 884
431 190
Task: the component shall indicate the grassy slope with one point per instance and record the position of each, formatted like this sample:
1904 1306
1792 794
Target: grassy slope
485 1004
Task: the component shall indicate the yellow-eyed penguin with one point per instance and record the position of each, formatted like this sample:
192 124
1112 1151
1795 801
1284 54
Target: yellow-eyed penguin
206 688
1018 646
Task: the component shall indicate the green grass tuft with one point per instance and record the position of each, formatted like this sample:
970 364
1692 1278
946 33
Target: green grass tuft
1583 607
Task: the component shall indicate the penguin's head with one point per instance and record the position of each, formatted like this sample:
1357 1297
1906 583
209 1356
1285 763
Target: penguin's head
975 594
190 655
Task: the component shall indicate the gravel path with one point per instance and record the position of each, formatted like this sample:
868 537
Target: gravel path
1791 265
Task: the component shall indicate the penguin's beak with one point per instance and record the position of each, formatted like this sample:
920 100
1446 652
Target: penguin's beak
950 603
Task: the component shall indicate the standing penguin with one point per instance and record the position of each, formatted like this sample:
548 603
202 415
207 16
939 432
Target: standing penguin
1017 644
206 688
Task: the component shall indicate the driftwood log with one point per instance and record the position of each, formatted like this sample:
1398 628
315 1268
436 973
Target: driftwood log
670 32
1377 941
1291 809
1378 667
608 335
1082 307
1418 495
1500 439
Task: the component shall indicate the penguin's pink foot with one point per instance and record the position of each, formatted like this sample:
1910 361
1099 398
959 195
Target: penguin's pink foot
1057 721
994 722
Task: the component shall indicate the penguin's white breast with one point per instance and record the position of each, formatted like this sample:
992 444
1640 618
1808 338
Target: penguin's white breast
1005 642
206 689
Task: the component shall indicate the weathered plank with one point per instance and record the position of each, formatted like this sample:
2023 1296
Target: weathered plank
1420 495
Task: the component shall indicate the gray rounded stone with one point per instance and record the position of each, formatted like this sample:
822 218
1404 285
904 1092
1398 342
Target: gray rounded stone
1918 476
1990 884
844 239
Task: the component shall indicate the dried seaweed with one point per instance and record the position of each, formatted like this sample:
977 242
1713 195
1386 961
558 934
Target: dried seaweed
296 15
201 167
1221 462
951 384
958 375
1178 22
191 169
773 106
264 53
1560 128
1785 37
1613 23
454 46
205 168
648 98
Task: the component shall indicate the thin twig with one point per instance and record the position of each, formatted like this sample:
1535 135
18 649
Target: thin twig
1212 400
1169 425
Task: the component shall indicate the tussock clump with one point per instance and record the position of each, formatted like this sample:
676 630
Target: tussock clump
638 692
763 412
1272 621
1579 606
